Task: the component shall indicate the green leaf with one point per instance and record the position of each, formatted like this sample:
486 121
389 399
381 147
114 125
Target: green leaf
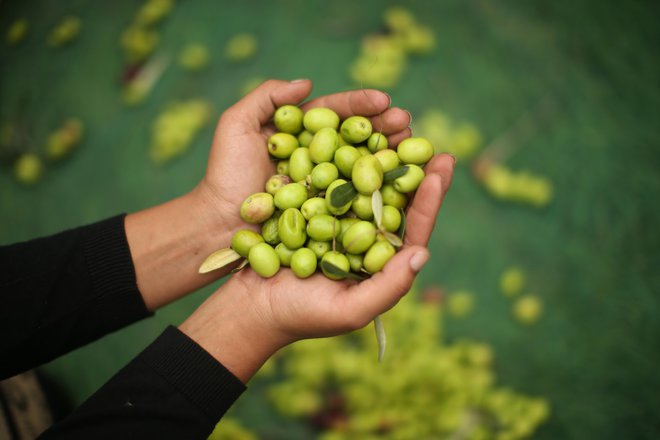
240 266
395 173
219 259
393 239
381 337
342 194
339 272
402 227
377 207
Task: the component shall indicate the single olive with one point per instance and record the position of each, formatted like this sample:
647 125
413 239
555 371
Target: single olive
410 181
283 167
355 261
328 194
377 256
300 164
269 229
305 138
388 159
377 142
345 158
257 208
391 218
345 223
276 182
243 240
292 195
323 145
264 260
303 263
320 117
314 206
393 197
319 247
323 227
285 254
356 129
367 175
288 119
342 141
281 145
338 260
415 151
291 228
364 151
362 207
324 174
359 237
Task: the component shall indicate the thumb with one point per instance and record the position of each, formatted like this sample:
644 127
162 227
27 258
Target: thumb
384 289
258 106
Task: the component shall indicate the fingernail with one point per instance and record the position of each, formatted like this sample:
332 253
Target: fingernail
452 157
418 261
409 118
389 99
299 80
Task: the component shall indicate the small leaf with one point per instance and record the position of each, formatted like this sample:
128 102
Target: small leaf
402 227
377 207
339 272
381 337
395 173
393 239
219 259
342 194
240 266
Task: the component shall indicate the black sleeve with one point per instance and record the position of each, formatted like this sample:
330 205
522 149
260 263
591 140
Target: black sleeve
172 390
60 292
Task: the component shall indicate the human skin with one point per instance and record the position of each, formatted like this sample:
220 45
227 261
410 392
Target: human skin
249 318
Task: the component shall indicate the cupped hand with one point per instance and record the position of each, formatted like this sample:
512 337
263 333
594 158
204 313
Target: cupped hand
239 163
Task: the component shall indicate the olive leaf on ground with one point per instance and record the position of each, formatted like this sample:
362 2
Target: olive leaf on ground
377 207
219 259
342 194
395 173
338 272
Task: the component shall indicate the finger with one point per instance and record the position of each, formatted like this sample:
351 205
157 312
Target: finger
381 292
395 139
257 107
365 102
391 121
423 210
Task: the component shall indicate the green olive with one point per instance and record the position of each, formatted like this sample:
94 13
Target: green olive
276 182
388 159
367 175
377 142
323 146
362 207
319 247
415 151
391 218
323 227
324 174
342 141
364 151
356 129
305 138
355 261
283 167
291 228
320 117
300 164
303 263
281 145
345 158
314 206
269 230
328 193
243 240
377 256
264 260
336 259
393 197
257 208
359 237
345 223
288 119
285 254
410 181
292 195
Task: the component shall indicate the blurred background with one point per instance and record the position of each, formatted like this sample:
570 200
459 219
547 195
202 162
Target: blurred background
538 314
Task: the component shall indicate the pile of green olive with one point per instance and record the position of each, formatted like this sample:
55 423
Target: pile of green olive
337 201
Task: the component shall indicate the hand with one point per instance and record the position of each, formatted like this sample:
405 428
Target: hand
239 163
250 317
